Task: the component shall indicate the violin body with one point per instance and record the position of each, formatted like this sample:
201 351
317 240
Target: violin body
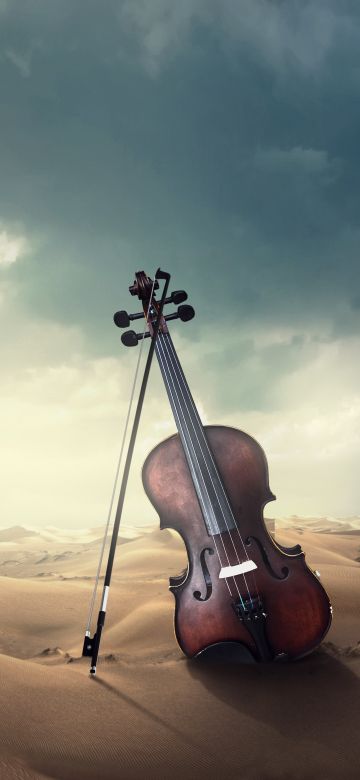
295 611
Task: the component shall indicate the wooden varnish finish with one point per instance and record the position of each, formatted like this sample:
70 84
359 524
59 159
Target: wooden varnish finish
298 609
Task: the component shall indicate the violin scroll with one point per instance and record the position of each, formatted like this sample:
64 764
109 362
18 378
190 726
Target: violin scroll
144 287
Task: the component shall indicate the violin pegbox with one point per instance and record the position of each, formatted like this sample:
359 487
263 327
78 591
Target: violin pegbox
144 288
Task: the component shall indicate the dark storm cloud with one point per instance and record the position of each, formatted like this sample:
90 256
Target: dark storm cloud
219 140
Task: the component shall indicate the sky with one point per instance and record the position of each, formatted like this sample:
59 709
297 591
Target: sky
218 139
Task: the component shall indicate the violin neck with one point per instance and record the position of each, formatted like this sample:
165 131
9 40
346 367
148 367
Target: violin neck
206 479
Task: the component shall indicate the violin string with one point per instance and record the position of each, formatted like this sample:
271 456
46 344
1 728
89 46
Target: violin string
181 430
107 524
166 341
210 502
162 365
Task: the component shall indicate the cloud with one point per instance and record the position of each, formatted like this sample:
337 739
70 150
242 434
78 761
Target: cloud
298 161
235 167
160 27
62 416
22 61
299 34
299 398
12 247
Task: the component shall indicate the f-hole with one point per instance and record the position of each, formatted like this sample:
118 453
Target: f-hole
284 569
207 578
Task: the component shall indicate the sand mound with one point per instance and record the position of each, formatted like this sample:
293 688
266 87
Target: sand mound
179 719
16 533
150 713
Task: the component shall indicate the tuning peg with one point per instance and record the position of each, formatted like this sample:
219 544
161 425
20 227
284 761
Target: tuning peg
131 339
185 313
122 318
178 296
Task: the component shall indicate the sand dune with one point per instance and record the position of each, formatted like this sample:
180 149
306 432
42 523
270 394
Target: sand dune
150 713
38 555
321 524
16 533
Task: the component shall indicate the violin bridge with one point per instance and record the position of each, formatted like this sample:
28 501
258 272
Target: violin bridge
240 568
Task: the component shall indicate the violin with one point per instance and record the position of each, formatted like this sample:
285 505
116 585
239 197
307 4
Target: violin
210 484
242 595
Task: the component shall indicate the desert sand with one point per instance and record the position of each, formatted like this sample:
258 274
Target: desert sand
150 713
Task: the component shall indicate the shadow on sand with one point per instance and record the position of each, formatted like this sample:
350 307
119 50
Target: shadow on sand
317 697
150 714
